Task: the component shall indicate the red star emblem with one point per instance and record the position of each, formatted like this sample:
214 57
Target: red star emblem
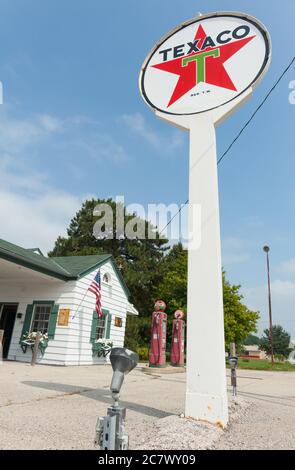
211 62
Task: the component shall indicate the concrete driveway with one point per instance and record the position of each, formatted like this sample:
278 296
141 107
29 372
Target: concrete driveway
47 407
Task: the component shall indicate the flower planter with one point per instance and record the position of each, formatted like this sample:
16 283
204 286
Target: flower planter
101 349
26 343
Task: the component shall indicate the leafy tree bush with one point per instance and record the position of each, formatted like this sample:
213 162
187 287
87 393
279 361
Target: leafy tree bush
140 260
239 321
252 339
281 341
150 274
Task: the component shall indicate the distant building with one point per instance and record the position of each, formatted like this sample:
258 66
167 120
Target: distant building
51 295
252 350
291 357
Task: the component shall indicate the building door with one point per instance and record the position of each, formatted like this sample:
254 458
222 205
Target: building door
7 319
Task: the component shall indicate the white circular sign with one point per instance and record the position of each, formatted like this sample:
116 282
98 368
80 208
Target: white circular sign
205 63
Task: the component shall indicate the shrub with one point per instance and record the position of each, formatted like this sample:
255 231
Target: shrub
132 337
137 333
280 357
143 352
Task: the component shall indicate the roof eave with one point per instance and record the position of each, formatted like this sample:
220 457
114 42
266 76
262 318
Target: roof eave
26 264
93 267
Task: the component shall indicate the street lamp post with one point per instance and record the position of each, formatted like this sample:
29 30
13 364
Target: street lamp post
266 250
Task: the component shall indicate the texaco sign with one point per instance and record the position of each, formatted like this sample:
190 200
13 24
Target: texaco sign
205 63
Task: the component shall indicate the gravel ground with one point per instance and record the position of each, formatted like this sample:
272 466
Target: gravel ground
189 434
46 407
263 426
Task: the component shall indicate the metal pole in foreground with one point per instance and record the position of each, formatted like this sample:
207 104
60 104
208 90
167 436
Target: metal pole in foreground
233 362
234 380
266 250
110 430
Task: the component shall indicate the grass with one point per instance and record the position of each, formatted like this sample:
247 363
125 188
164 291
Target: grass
264 364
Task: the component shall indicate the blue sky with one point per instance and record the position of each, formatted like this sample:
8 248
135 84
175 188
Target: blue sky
73 125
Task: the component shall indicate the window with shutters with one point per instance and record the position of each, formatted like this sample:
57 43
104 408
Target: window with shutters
101 327
41 318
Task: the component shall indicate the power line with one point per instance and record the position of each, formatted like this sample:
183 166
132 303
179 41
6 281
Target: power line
239 134
256 110
172 218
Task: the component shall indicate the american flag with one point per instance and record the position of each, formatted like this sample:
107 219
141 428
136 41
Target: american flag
95 288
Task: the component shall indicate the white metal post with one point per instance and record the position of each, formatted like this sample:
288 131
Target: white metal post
206 391
206 396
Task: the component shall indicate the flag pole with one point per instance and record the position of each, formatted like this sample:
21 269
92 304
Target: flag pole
82 300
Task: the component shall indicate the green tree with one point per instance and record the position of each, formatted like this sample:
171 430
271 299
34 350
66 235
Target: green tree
148 273
173 286
252 339
239 321
138 332
281 341
139 259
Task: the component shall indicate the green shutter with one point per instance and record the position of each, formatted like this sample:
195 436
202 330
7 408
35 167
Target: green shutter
108 325
28 319
52 321
93 327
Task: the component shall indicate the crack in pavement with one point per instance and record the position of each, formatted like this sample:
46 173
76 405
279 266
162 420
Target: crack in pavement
49 397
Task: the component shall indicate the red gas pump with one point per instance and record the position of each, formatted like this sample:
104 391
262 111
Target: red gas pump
177 346
157 356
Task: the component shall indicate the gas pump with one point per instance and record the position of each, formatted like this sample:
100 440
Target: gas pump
177 345
157 355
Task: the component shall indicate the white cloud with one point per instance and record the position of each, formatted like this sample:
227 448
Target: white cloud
13 175
287 266
101 147
283 304
284 289
29 221
233 251
253 221
50 123
16 134
81 135
234 258
32 211
137 124
232 243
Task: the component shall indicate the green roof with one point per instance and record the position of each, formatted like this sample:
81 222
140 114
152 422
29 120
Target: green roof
80 265
65 268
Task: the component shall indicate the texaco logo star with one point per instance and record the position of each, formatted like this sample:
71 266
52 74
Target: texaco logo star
205 66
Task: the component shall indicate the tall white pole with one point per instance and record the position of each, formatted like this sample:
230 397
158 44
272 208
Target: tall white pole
196 88
206 391
206 396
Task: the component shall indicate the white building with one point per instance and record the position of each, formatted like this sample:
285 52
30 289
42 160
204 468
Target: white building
51 295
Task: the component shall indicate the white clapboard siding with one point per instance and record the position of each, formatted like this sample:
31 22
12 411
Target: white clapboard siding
113 299
71 344
24 293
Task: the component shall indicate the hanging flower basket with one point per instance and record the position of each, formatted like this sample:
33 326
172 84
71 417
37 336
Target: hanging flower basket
102 347
29 339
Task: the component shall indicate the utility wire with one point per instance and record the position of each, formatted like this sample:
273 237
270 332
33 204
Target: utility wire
239 134
256 110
